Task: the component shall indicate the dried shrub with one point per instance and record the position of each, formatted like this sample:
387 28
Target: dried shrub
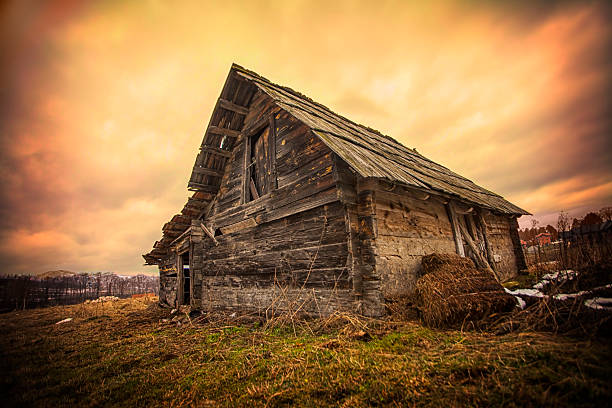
568 317
452 292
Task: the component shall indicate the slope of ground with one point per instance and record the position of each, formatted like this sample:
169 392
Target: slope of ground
131 353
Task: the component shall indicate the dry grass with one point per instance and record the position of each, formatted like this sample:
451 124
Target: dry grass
130 353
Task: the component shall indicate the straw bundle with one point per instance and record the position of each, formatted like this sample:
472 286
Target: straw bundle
452 291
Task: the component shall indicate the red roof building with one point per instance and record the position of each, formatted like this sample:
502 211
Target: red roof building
544 238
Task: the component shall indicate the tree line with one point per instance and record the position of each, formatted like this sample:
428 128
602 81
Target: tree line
23 291
564 224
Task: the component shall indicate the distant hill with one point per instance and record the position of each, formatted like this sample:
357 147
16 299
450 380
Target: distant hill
55 274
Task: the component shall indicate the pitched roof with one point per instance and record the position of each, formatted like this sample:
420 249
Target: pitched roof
367 151
372 154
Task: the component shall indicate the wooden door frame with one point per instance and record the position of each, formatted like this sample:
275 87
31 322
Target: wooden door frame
180 287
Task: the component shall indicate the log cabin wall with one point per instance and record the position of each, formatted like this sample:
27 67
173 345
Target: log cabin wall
361 230
408 228
286 250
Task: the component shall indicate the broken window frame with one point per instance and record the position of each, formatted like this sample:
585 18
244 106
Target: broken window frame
247 196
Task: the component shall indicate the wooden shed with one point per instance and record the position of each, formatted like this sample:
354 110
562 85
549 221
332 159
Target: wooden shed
296 208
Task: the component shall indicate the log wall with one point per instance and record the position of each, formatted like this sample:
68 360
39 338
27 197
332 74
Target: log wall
286 250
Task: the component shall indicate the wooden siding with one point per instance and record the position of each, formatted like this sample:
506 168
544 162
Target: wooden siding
290 240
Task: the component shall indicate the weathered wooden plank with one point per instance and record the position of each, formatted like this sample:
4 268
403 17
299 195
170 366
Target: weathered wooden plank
203 187
224 131
455 225
208 172
228 105
253 189
209 233
481 260
248 223
216 151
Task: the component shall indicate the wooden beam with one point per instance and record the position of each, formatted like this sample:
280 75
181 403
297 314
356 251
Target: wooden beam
483 227
463 211
452 217
248 223
223 131
187 231
217 151
208 172
203 187
474 249
209 233
253 188
230 106
273 183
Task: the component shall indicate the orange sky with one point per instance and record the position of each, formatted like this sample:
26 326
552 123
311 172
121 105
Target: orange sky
103 107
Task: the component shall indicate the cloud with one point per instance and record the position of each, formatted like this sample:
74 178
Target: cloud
103 106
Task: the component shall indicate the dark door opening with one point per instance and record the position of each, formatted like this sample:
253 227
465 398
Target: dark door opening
186 279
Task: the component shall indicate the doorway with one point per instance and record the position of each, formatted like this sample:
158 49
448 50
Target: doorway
186 279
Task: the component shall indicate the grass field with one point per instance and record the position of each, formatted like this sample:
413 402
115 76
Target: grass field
127 353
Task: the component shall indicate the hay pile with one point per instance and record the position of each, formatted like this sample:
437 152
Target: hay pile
452 292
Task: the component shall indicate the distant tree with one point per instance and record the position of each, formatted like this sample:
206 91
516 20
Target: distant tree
576 223
553 232
562 221
534 230
591 219
606 213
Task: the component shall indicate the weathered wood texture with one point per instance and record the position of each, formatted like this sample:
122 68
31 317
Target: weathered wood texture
509 256
292 239
256 268
299 209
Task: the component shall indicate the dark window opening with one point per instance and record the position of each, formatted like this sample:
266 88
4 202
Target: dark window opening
186 273
260 176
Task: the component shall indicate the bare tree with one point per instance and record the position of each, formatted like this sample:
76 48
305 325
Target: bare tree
606 213
562 226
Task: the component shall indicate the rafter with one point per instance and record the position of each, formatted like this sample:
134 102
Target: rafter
223 131
228 105
208 172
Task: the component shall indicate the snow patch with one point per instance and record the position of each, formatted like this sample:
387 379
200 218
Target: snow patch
599 303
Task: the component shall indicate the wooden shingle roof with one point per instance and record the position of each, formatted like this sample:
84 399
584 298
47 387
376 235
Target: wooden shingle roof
372 154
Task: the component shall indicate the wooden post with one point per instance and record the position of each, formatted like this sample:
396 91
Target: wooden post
483 227
481 260
209 233
452 217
